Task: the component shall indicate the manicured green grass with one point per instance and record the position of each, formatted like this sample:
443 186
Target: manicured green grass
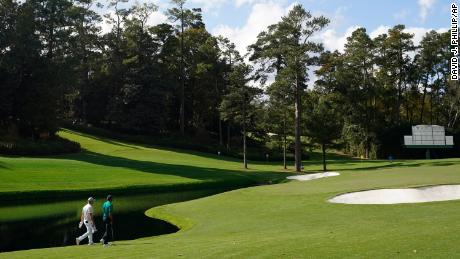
291 220
110 164
294 220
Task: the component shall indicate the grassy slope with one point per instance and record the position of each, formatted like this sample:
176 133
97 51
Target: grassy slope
110 164
287 220
293 220
106 163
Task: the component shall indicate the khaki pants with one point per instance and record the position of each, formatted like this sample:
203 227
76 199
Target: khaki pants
89 232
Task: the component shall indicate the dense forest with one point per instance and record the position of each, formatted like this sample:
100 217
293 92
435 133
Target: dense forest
176 79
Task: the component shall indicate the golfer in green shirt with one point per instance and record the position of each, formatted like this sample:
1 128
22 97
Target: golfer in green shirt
107 210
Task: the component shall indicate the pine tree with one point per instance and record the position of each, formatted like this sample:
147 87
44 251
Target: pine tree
289 46
237 105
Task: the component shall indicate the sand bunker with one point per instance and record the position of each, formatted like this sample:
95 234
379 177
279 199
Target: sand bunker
397 196
308 177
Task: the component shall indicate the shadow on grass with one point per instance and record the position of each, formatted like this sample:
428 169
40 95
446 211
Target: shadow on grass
102 139
136 145
402 164
3 166
383 166
132 244
335 162
445 163
207 174
316 156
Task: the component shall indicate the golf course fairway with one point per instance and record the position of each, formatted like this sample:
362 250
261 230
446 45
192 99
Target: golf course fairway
287 220
107 165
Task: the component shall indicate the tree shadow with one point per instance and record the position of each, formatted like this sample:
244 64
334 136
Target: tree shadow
137 145
3 166
450 163
335 162
385 166
207 174
102 139
137 243
405 164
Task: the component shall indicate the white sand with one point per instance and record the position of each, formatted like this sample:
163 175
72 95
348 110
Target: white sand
308 177
397 196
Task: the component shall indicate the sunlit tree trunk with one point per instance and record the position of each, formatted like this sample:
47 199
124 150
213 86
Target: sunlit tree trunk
298 145
285 141
323 147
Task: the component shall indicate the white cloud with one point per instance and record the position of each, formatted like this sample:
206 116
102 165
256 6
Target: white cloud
157 18
401 15
338 18
154 19
105 26
418 32
262 15
382 29
239 3
425 6
330 38
208 5
333 41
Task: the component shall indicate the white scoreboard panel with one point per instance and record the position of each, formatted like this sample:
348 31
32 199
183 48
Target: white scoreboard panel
428 136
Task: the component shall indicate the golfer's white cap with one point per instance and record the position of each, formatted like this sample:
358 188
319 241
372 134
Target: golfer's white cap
91 199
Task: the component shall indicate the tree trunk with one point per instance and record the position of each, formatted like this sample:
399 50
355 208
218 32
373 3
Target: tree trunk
182 77
51 32
245 162
298 147
323 146
431 107
228 135
406 101
220 120
436 113
86 79
285 141
83 91
221 142
400 78
422 109
454 121
367 150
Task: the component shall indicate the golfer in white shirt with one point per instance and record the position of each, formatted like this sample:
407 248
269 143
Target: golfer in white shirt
87 218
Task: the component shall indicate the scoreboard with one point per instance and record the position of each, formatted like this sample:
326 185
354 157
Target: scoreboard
428 136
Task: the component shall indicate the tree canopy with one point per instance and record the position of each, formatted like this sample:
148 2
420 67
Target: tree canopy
58 67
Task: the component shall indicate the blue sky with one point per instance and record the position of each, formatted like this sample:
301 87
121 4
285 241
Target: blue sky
367 13
242 20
